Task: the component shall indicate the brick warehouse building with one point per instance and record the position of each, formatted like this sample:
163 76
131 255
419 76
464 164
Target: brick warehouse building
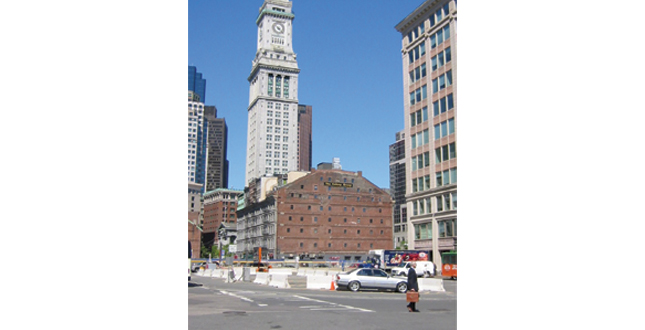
220 205
323 215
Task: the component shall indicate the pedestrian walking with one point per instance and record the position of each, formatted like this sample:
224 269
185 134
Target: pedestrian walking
413 286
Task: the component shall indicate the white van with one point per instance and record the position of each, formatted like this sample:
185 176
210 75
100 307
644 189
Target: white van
424 268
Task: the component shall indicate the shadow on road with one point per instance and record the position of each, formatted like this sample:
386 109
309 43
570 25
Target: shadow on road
192 285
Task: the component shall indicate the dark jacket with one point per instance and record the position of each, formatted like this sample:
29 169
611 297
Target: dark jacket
412 280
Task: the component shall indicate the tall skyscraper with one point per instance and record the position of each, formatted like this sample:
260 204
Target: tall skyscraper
196 83
429 48
272 143
196 139
217 164
397 189
304 137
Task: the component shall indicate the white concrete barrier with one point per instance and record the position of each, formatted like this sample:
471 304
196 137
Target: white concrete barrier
200 272
282 271
254 270
430 284
319 282
262 278
279 281
301 272
320 272
309 272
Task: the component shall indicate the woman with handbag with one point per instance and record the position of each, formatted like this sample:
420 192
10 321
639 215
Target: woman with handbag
413 287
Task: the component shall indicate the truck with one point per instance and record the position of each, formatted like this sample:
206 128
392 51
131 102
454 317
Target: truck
388 259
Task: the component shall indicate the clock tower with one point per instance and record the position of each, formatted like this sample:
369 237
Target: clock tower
272 141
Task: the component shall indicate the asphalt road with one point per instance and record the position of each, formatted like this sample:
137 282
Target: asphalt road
214 304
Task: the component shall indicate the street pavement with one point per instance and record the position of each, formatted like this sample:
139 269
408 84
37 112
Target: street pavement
215 304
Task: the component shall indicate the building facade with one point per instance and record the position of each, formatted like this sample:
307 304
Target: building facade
272 142
220 206
326 214
429 56
304 137
216 150
196 139
397 188
196 83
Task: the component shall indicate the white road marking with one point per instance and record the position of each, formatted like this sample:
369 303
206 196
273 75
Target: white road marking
236 296
334 304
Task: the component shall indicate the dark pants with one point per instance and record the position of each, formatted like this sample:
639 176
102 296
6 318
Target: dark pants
412 305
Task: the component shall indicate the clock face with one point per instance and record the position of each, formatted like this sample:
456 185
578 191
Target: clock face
278 28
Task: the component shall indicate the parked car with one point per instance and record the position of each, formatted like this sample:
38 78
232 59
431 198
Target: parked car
369 278
424 268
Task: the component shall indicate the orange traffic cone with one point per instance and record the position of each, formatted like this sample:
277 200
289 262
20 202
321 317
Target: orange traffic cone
333 287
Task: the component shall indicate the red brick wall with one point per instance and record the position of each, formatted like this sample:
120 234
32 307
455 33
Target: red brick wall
360 214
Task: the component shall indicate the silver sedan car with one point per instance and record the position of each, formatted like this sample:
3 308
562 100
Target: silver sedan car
368 278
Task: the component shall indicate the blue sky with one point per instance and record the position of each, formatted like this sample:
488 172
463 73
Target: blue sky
349 54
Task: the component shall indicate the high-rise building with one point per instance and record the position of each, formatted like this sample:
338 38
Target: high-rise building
196 83
196 139
272 143
216 161
429 48
397 190
304 137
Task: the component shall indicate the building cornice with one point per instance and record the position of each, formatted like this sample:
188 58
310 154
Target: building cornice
271 67
412 19
274 13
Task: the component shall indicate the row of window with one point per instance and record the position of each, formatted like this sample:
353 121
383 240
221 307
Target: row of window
268 170
444 202
419 116
416 32
445 153
440 14
443 104
269 137
278 106
277 113
446 177
417 52
440 36
315 219
277 146
418 95
277 155
421 161
444 128
276 162
441 59
358 245
277 122
418 73
276 130
441 82
279 83
315 231
447 228
420 139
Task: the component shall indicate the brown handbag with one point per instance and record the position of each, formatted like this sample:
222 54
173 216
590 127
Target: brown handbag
412 296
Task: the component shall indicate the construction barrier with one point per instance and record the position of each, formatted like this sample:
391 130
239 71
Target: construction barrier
320 272
279 281
200 272
262 278
282 271
430 284
301 272
319 282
